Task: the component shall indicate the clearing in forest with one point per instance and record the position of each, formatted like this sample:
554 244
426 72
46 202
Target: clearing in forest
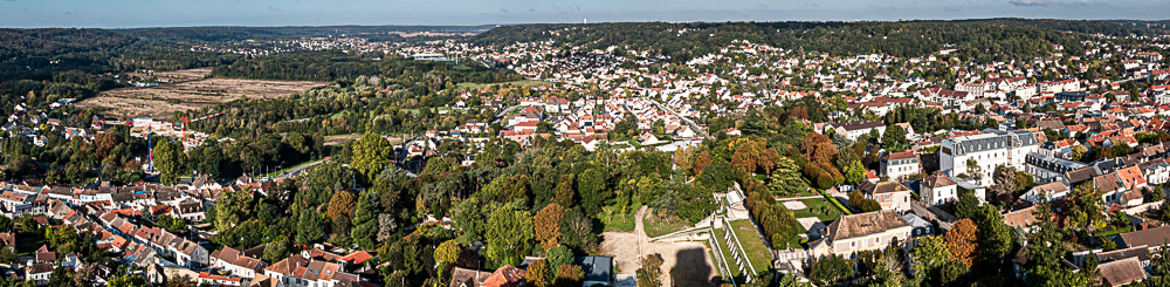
163 101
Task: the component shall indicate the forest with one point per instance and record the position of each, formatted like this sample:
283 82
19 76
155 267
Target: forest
983 40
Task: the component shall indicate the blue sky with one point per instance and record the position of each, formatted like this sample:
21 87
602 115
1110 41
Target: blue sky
162 13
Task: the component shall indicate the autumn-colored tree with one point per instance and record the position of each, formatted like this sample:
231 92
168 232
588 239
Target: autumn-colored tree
569 275
105 143
820 154
701 162
564 193
684 158
961 241
342 203
819 148
547 224
538 274
752 155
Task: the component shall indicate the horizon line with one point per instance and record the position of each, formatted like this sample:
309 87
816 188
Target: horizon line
581 23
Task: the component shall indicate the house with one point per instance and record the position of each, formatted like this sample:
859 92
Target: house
234 262
300 271
1152 238
986 151
1121 272
38 273
463 277
1022 219
188 253
217 280
1123 187
862 232
921 226
598 270
900 165
505 276
1048 191
891 195
938 189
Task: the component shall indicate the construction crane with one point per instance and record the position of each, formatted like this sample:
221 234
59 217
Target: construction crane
183 125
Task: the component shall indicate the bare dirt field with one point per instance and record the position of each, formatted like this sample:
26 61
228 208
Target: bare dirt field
176 75
163 101
684 263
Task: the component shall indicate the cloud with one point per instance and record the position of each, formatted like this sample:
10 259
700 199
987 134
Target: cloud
505 11
1047 2
274 9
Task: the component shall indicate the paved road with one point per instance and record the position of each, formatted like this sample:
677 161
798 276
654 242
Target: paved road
694 126
296 171
499 116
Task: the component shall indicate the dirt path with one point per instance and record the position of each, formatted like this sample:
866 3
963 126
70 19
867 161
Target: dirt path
684 263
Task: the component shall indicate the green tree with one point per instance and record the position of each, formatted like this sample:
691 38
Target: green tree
854 172
508 233
894 139
276 250
365 220
371 154
169 160
559 255
310 227
785 179
831 269
447 252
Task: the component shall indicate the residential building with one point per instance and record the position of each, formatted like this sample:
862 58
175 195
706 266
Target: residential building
1045 168
890 194
854 130
938 189
863 232
988 150
900 165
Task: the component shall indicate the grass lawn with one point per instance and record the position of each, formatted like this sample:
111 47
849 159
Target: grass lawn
657 226
719 234
619 222
757 252
523 83
817 207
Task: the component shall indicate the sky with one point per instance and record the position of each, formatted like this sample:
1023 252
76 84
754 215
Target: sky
170 13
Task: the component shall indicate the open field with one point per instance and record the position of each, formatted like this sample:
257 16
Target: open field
176 75
163 101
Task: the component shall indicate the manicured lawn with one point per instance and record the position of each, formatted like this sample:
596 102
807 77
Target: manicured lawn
657 226
619 222
756 251
820 208
719 234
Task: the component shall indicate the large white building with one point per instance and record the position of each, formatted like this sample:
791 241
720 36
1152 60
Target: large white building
987 150
855 129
